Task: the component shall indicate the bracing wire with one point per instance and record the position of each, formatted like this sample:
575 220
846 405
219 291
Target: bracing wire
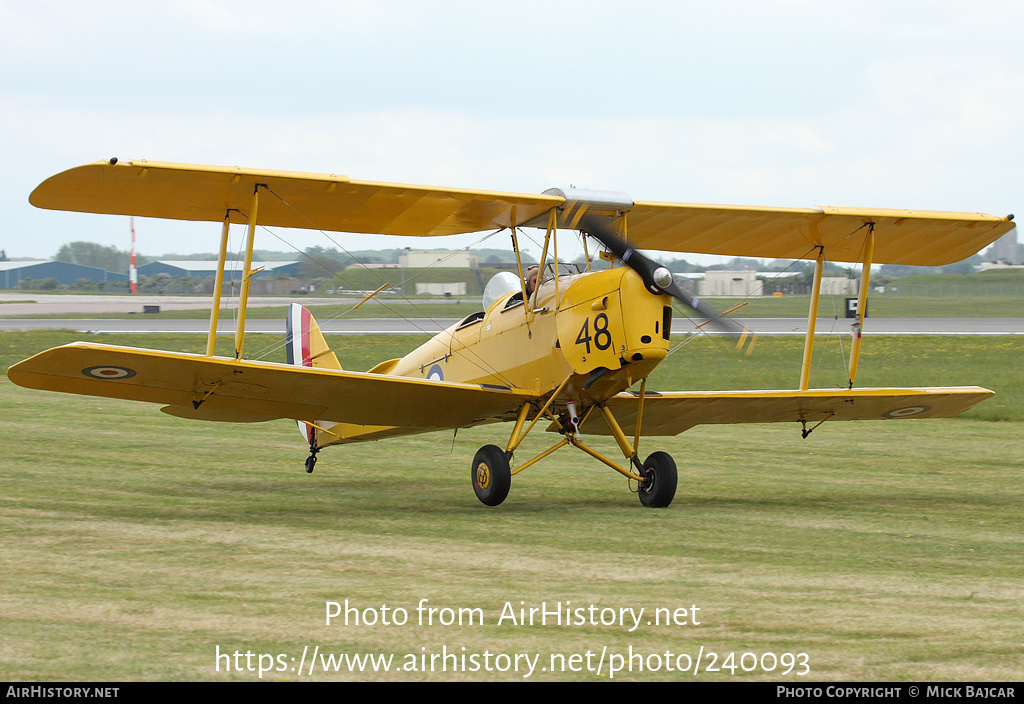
478 361
833 334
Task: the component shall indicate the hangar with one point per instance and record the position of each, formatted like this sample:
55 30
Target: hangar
12 273
208 269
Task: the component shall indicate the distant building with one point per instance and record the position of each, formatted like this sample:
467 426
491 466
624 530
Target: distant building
1005 249
454 288
422 260
207 269
731 283
988 266
13 273
371 265
744 284
839 286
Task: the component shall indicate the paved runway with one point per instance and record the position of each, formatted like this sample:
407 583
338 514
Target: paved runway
16 303
398 326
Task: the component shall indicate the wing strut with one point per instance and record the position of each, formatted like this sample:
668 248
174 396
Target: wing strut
243 297
812 318
218 284
528 307
551 231
862 300
812 314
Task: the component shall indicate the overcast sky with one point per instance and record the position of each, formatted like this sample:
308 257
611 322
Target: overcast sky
792 103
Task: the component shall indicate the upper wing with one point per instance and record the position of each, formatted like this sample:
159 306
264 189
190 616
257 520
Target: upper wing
920 238
215 388
307 201
337 203
674 412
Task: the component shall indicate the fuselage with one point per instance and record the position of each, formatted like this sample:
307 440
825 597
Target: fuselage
603 329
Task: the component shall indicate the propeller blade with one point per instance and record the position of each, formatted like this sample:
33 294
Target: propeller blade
656 277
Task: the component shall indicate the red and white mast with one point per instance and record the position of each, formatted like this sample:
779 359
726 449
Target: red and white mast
133 276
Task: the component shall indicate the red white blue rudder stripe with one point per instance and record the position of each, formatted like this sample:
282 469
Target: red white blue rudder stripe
297 348
297 330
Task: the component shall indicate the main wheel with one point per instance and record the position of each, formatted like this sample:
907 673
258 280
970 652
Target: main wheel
660 478
491 475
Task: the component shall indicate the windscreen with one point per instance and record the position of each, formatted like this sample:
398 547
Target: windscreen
502 283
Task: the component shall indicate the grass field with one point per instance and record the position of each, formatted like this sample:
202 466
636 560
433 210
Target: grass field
136 544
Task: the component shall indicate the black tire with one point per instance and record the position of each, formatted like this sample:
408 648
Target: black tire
310 463
660 478
491 475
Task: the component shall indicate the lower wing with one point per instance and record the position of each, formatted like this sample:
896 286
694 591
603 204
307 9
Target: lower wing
673 412
217 388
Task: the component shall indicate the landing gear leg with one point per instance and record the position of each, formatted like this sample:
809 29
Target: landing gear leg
311 460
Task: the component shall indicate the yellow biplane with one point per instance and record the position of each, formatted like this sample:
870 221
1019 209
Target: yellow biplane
566 350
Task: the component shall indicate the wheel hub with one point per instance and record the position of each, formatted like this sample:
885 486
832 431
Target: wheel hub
649 480
483 475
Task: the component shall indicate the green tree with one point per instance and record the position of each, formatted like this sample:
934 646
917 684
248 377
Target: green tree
157 283
681 266
47 284
109 258
83 285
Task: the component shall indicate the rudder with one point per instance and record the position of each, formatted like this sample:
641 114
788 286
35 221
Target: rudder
306 347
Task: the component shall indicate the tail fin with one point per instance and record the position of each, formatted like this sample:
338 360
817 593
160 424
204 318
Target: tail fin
306 344
306 347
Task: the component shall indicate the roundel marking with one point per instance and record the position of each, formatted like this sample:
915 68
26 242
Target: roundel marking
436 373
109 372
906 412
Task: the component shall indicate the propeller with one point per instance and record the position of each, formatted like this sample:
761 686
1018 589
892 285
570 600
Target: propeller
657 278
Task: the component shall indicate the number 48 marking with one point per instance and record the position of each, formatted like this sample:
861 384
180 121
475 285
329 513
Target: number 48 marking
602 338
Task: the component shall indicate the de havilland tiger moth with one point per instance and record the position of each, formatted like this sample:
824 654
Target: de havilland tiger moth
572 351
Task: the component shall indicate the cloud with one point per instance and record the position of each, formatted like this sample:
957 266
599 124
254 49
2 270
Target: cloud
779 103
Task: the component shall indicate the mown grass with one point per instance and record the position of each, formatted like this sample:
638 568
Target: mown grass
708 364
135 543
993 281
